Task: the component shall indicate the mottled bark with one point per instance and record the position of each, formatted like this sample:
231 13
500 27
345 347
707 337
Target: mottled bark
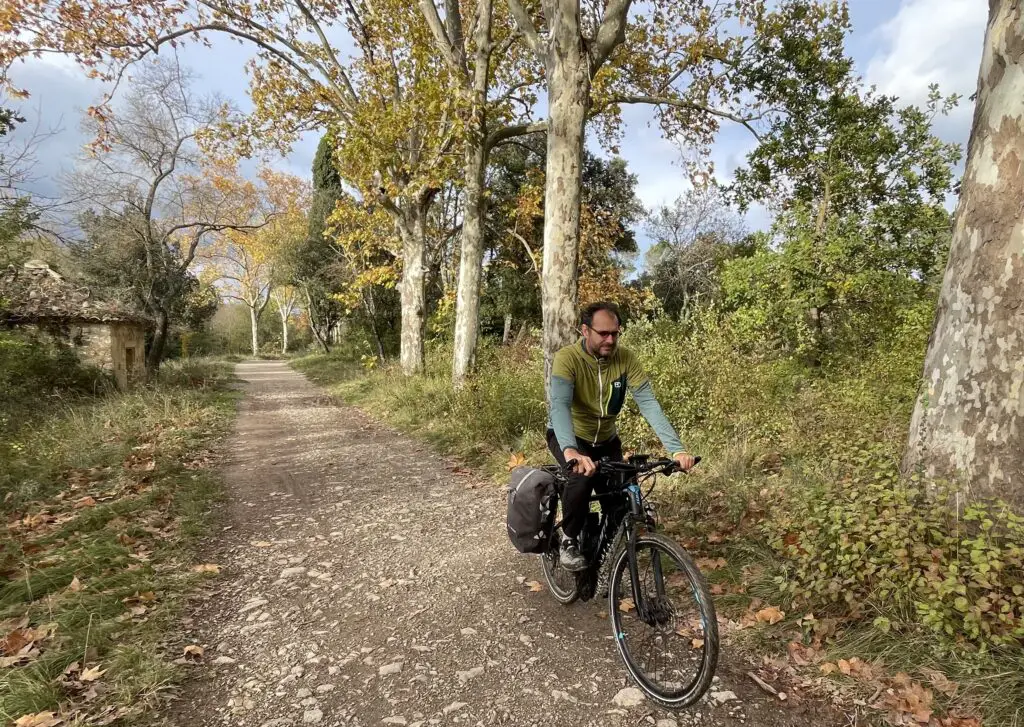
467 302
568 70
968 420
413 288
254 324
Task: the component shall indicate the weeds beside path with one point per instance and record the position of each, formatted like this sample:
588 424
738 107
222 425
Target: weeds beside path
103 502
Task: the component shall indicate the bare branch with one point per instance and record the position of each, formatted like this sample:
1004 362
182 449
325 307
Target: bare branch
527 28
444 43
679 103
500 136
610 34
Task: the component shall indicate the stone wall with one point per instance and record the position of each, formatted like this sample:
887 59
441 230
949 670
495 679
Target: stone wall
115 347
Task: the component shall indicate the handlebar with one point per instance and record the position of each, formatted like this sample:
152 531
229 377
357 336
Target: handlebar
638 466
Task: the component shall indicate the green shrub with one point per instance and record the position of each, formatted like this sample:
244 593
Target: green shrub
876 547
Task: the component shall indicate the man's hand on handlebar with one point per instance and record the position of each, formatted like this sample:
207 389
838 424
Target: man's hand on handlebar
584 465
685 461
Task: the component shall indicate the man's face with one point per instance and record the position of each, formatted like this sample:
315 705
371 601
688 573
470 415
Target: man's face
602 335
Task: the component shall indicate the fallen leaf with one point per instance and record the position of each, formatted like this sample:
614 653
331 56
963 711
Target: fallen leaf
40 719
193 652
716 538
829 668
799 654
769 615
535 587
941 682
15 641
717 589
76 585
138 610
92 674
697 643
206 568
516 460
844 666
626 605
707 564
86 501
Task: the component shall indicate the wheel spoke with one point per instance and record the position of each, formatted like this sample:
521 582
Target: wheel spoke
668 652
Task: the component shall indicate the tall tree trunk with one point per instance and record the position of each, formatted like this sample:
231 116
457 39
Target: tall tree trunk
506 335
414 304
284 331
156 348
255 323
568 102
467 303
969 418
314 326
370 303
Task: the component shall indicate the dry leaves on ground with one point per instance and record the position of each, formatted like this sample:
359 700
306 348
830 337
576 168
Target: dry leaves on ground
40 719
769 615
710 564
534 586
516 460
206 568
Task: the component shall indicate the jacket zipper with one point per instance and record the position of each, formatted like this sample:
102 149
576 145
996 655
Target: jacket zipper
600 399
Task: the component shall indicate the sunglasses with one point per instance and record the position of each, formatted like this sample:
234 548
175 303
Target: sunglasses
605 334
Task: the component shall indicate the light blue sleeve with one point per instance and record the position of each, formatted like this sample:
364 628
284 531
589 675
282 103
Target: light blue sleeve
561 412
643 395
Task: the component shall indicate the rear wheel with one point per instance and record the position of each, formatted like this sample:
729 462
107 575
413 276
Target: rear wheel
671 650
561 582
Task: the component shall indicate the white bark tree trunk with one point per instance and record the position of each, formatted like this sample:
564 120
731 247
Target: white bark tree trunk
254 321
568 101
467 302
506 335
413 288
969 418
284 330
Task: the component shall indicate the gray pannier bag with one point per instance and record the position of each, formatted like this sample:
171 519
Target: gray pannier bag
532 500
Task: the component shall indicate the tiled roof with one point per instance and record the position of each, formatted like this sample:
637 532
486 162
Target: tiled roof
36 292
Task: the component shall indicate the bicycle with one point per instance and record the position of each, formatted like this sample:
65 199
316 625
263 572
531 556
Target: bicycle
623 550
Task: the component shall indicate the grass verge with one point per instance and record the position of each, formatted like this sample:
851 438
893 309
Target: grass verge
104 502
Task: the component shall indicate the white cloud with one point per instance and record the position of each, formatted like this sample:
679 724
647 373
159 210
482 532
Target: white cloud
930 41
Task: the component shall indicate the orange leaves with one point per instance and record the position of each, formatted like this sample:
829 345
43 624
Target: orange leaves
518 459
40 719
769 615
908 702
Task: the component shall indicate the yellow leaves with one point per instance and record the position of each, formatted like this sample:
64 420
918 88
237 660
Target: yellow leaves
534 586
518 459
626 605
206 568
92 674
40 719
769 615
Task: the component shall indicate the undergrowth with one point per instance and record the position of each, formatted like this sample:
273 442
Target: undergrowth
103 499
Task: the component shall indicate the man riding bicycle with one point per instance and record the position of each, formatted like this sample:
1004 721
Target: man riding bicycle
589 380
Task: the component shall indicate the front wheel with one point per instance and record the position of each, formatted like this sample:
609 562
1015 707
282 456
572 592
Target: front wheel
667 633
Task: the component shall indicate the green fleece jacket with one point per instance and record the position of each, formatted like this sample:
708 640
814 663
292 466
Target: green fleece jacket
587 394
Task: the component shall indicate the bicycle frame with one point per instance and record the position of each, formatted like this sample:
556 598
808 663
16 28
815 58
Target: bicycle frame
627 486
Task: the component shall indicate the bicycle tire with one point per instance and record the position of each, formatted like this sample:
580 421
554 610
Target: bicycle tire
551 566
701 595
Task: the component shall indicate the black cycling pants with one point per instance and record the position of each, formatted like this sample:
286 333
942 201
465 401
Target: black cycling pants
576 496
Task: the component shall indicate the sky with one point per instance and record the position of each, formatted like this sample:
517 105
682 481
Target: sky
901 47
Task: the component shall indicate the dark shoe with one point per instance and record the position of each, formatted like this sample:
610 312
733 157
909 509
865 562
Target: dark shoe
570 557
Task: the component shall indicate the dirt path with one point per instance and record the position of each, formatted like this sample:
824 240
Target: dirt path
365 583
